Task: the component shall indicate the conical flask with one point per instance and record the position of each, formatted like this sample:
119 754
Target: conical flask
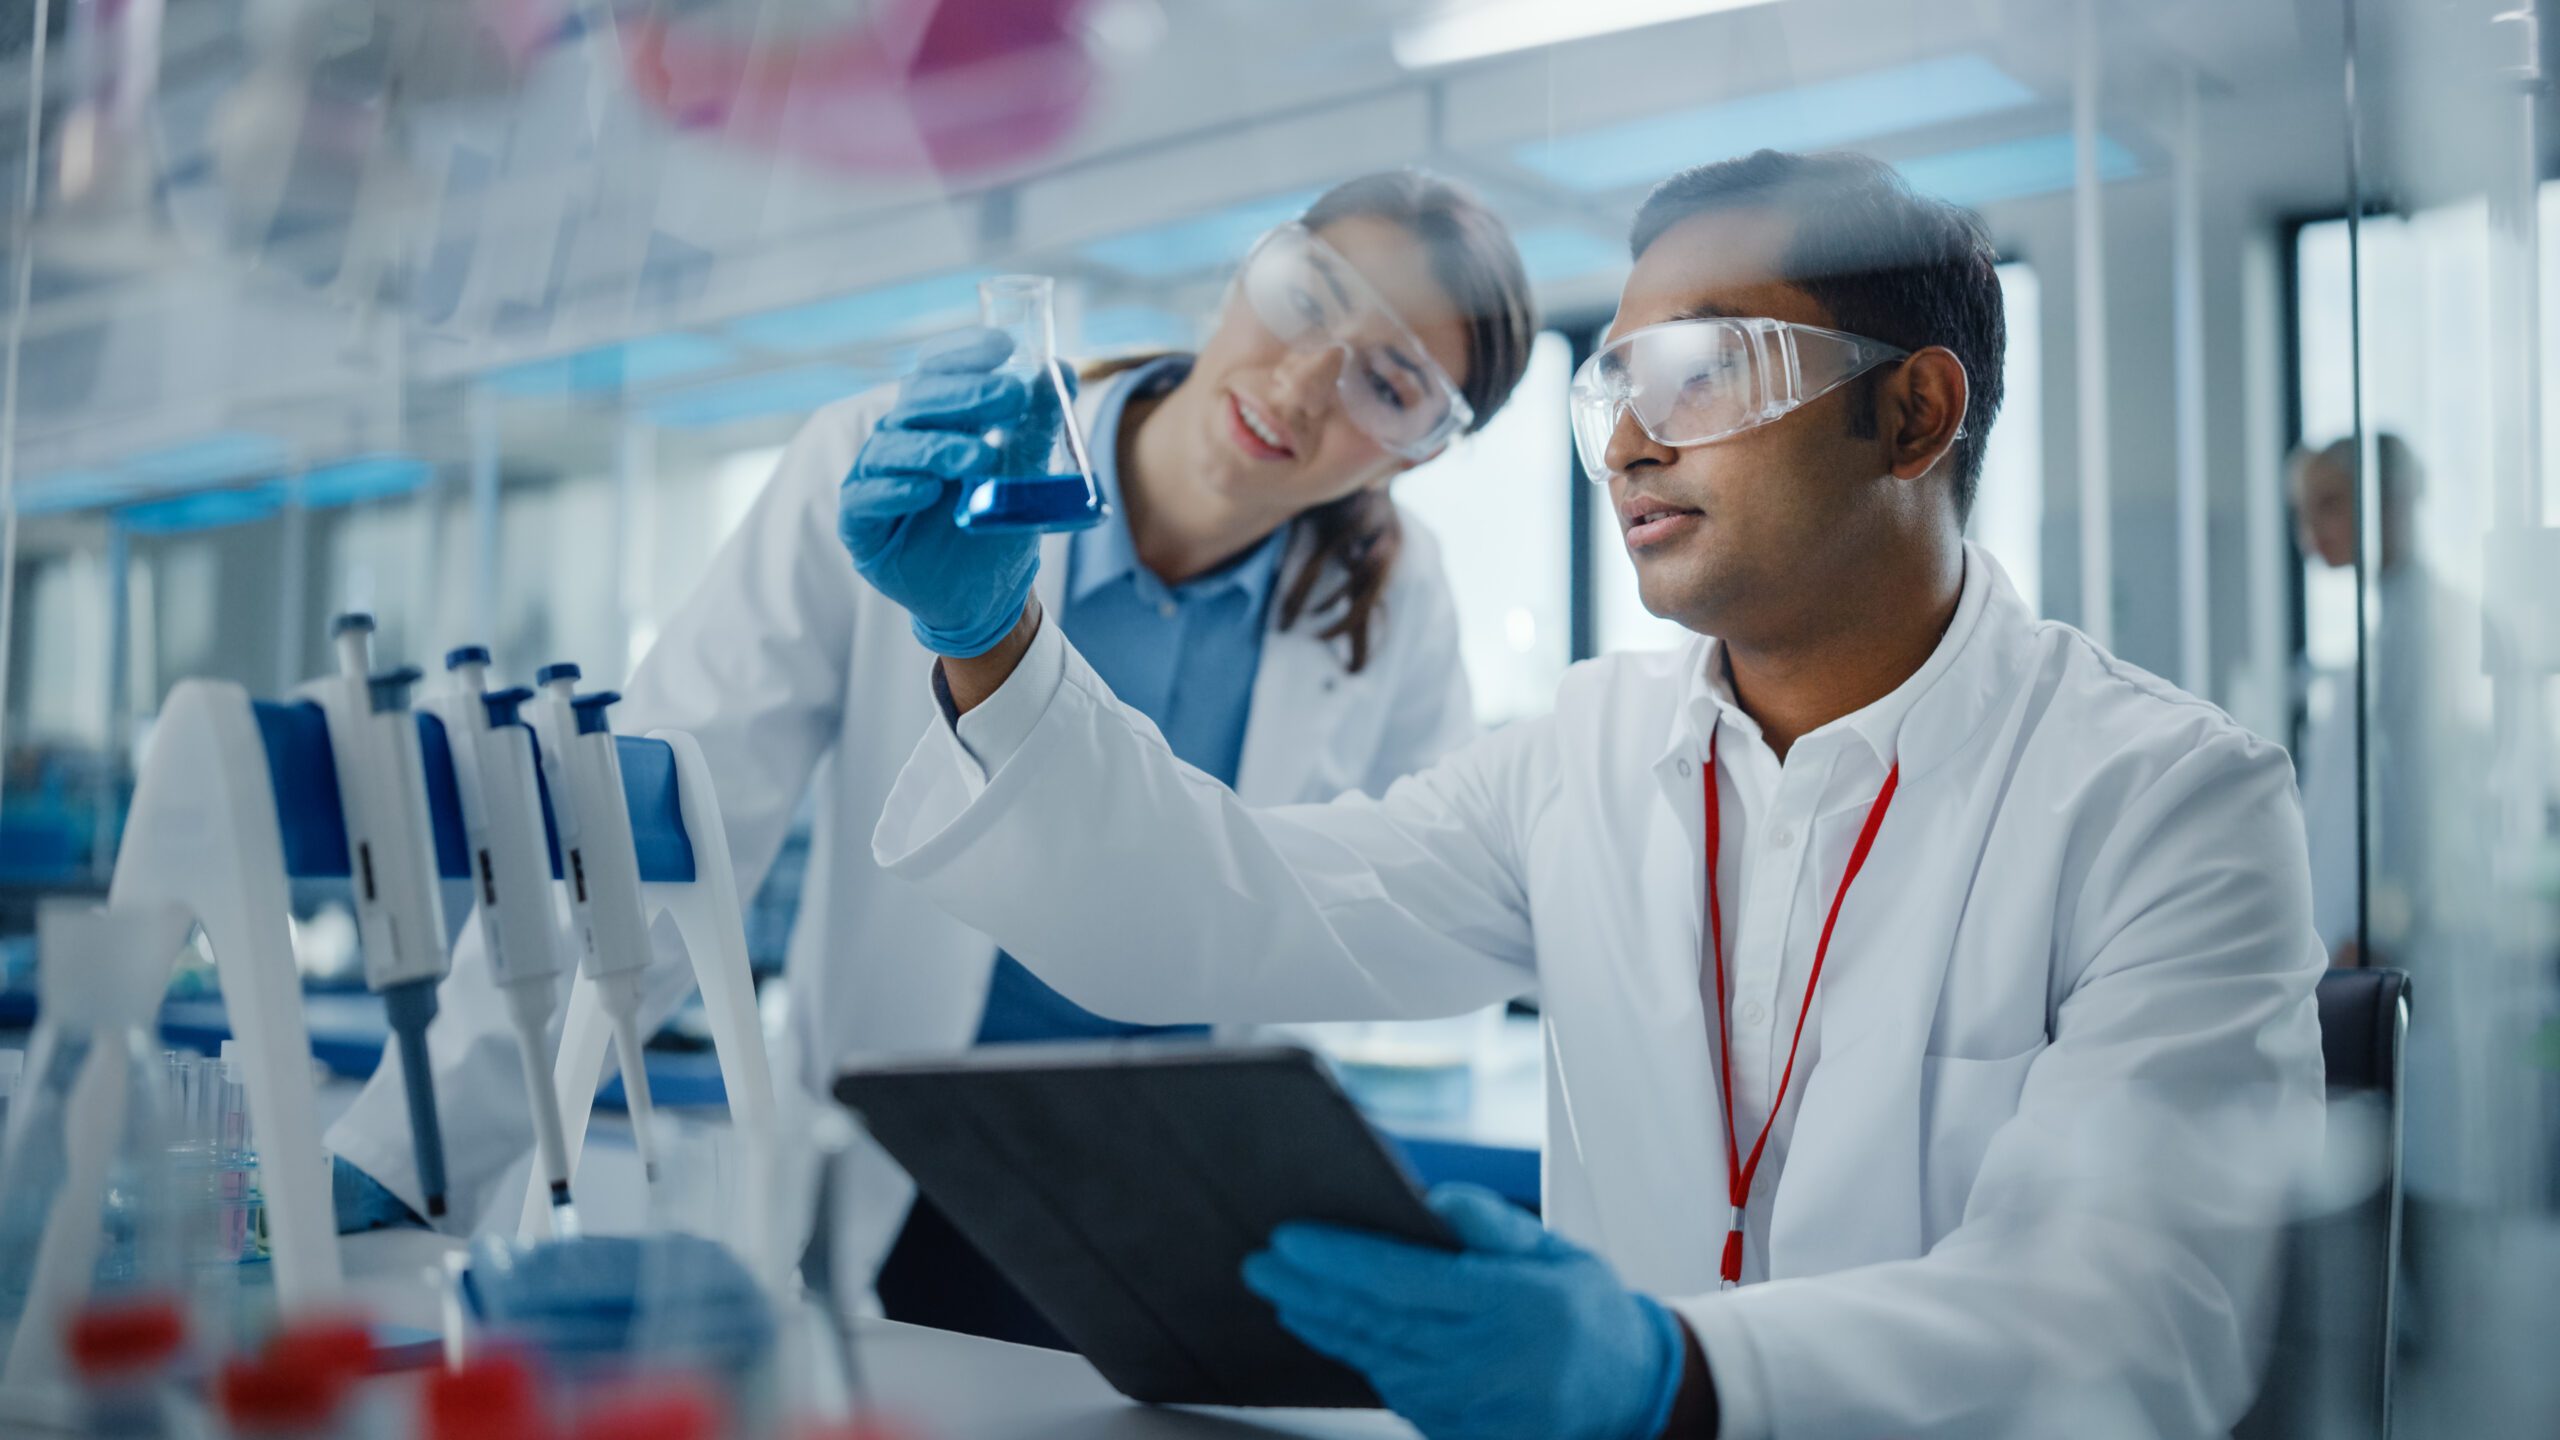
1046 480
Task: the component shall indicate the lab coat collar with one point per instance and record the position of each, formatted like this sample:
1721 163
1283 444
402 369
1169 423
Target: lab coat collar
1918 724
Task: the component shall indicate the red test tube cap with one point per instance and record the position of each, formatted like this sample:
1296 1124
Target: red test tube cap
269 1396
123 1337
651 1410
340 1344
494 1397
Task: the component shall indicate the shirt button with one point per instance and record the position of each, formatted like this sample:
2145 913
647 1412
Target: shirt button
1753 1013
1683 768
1167 609
1785 839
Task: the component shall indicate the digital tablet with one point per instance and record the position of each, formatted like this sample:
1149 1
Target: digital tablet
1121 1185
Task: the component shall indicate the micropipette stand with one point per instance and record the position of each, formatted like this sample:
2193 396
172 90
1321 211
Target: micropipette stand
696 894
497 782
204 834
373 737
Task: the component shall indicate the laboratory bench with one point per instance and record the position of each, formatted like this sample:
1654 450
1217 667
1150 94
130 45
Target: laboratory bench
944 1386
1486 1130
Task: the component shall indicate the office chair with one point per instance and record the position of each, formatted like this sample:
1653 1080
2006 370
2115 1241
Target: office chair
2329 1371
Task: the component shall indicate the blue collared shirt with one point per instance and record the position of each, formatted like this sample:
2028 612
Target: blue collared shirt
1183 655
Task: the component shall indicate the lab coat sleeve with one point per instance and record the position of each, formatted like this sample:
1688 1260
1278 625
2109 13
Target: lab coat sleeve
2112 1271
1143 889
753 666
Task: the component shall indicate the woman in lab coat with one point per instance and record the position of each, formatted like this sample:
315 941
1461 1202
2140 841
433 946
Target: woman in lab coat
1254 577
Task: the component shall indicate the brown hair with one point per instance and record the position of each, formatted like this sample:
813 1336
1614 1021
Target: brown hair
1475 262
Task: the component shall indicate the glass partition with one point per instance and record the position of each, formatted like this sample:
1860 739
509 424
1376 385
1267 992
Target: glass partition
494 319
2444 419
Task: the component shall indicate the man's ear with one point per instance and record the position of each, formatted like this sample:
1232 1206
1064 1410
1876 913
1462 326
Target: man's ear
1926 410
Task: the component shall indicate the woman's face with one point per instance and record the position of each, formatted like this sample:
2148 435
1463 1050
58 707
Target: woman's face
1265 423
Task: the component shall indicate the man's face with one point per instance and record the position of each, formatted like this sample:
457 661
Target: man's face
1770 521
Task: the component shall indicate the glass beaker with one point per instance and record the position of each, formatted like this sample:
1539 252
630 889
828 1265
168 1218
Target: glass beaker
1046 480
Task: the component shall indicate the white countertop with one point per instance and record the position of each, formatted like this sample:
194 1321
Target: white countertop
944 1385
958 1387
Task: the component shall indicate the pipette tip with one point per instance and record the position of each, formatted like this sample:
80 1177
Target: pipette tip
435 1207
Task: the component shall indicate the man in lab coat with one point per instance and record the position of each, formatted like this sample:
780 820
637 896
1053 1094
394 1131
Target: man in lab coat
1928 992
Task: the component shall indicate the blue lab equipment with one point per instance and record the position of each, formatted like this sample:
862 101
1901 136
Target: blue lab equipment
614 1300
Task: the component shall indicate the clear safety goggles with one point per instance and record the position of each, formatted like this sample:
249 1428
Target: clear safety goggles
1307 295
1691 381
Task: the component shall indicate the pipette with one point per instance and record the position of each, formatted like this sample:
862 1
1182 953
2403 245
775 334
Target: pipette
602 868
495 775
373 738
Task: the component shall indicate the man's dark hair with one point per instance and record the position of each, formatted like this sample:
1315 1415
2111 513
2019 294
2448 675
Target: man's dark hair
1886 262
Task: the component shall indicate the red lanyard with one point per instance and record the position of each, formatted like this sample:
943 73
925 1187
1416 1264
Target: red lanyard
1738 1171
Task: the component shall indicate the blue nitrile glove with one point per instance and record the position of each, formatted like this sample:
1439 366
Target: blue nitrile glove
962 591
1521 1334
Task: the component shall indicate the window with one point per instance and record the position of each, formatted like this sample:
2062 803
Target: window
1494 503
2008 508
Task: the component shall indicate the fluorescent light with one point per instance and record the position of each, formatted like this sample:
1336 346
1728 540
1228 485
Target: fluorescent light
1460 30
1565 252
795 391
223 456
203 510
366 477
1822 115
1122 329
2014 169
1213 240
864 317
648 360
73 490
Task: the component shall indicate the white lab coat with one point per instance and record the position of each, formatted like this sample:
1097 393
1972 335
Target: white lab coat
2068 1056
790 671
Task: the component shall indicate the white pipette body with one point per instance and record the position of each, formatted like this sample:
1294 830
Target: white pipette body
496 777
382 792
602 868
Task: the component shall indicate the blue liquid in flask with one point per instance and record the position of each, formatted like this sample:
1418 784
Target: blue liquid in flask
1029 502
1049 482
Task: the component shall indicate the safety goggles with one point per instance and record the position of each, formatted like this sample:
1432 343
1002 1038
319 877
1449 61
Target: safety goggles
1308 296
1688 382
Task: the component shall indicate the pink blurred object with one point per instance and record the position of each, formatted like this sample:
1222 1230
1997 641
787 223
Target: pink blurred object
928 85
524 28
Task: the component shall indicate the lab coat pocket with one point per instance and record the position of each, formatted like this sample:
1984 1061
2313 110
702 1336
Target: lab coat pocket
1962 1104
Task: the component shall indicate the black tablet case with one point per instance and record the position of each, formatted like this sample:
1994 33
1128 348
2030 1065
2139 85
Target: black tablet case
1120 1187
